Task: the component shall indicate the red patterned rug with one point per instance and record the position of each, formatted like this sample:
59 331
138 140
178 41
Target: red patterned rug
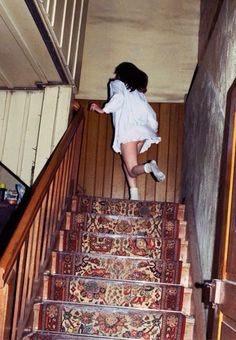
166 249
115 274
110 321
100 205
117 268
118 224
113 292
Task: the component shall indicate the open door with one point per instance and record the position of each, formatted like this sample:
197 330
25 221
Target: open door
223 289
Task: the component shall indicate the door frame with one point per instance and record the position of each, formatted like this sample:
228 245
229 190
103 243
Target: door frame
224 201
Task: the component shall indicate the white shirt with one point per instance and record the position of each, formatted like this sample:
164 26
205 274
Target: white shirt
133 118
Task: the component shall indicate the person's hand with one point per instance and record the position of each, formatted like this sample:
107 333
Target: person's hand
95 107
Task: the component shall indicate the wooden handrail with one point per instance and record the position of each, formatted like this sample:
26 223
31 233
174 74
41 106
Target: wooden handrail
26 256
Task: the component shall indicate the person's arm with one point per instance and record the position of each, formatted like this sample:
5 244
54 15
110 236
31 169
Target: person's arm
96 107
116 100
117 89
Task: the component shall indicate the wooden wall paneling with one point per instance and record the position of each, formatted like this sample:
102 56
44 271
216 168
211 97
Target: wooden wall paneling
118 184
4 109
180 135
31 136
91 153
13 143
101 153
172 154
151 184
101 170
109 159
141 180
61 114
48 113
147 187
163 149
81 175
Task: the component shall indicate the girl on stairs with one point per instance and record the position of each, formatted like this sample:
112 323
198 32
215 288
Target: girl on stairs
134 122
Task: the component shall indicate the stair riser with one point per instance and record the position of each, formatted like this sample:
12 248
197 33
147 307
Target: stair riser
120 225
113 293
114 322
169 211
121 246
57 336
118 268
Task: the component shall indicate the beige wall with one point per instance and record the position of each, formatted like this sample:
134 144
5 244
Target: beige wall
204 122
160 37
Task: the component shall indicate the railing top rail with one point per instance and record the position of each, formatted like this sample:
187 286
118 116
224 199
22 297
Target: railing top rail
38 192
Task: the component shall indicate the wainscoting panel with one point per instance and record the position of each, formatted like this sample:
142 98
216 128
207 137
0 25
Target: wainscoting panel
101 171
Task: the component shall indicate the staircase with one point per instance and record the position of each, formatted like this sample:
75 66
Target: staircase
119 271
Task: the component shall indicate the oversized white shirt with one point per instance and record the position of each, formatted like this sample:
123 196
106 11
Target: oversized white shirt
132 116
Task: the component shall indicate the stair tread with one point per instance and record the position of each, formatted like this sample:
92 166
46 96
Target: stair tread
116 206
112 321
114 292
117 267
120 245
40 335
116 224
44 335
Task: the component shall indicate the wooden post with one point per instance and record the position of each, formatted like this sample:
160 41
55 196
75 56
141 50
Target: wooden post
6 305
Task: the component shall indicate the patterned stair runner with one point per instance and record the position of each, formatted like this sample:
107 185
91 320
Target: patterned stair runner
113 293
116 267
167 211
115 273
73 241
111 224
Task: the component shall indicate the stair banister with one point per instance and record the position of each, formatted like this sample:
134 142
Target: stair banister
25 257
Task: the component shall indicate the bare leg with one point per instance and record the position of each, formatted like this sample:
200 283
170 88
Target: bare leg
129 152
131 180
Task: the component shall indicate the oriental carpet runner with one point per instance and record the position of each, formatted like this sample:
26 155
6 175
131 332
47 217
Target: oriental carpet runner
115 273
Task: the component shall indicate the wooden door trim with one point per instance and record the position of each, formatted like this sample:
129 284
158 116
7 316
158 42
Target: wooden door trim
224 200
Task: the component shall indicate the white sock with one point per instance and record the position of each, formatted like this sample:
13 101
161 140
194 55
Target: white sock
147 168
134 193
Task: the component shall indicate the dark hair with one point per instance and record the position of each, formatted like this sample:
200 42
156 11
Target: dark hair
132 77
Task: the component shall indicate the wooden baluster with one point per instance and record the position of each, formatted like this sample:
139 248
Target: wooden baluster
45 231
25 259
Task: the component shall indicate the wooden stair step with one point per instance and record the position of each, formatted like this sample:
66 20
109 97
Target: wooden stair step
182 230
167 249
109 206
40 335
115 293
44 335
189 329
119 268
187 301
184 251
118 224
116 322
185 275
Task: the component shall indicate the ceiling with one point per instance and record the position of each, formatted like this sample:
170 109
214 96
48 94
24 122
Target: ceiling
24 58
159 36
